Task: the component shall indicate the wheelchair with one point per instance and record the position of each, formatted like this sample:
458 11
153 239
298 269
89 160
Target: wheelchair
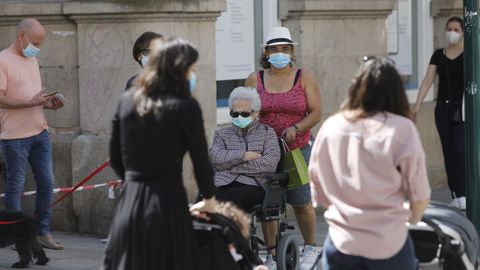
273 208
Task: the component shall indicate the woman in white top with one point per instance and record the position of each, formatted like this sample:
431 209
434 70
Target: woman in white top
365 160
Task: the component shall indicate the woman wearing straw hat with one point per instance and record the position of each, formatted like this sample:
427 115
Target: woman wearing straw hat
291 106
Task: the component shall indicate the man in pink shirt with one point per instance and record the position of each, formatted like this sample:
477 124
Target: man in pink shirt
23 133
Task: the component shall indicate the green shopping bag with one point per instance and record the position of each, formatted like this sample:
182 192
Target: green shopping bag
294 164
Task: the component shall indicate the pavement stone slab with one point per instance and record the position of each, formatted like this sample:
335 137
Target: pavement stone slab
85 252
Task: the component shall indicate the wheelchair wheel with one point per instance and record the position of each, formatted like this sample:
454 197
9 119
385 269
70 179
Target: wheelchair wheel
287 253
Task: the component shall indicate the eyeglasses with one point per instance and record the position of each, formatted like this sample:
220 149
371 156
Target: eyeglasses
277 49
243 114
145 52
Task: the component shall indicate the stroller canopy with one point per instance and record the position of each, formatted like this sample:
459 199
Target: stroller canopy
442 214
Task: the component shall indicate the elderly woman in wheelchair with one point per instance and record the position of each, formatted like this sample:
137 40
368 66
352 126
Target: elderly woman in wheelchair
242 154
245 157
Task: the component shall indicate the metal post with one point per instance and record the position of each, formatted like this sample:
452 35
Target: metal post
472 110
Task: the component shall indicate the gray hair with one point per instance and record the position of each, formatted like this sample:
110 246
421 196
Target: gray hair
245 93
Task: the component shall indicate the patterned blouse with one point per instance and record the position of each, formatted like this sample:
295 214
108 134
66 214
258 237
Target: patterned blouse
282 110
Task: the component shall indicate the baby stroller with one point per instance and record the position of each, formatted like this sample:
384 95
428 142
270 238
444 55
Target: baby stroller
217 239
445 239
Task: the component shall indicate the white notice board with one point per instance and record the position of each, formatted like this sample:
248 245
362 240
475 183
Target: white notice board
234 41
403 37
392 34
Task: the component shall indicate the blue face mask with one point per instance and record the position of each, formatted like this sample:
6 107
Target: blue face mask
30 50
144 61
279 60
192 81
242 122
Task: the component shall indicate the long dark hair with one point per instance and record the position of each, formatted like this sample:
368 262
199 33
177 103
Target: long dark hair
377 88
165 74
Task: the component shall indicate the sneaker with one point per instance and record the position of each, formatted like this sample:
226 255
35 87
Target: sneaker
454 203
47 241
270 262
462 203
309 257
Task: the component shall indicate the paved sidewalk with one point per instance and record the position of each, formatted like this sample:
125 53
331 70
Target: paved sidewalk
85 252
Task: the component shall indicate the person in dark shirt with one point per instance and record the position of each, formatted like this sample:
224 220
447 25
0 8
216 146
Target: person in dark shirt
141 51
156 123
448 64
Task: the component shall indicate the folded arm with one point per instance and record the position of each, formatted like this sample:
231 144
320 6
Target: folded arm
221 158
267 163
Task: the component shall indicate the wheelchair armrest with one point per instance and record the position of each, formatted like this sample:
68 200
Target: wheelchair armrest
281 178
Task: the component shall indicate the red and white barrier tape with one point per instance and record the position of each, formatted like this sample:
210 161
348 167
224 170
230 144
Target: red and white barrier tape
68 191
111 184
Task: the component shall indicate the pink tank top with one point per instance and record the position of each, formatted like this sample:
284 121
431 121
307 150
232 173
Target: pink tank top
283 110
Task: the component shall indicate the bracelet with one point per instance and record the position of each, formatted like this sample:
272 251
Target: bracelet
296 128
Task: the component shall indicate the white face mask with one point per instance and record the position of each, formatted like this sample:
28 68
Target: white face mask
452 37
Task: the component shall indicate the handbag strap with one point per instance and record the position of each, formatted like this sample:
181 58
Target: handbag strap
448 77
285 145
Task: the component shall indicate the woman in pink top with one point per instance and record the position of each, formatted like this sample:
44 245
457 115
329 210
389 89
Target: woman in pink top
365 161
291 106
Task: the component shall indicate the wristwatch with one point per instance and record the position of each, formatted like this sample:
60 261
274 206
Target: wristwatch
297 129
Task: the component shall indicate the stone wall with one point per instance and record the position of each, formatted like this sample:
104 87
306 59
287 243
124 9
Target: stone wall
334 36
87 56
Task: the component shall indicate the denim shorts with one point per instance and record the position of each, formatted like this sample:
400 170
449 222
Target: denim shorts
301 195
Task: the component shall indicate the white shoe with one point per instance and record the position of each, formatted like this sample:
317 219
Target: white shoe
309 257
462 203
270 263
454 203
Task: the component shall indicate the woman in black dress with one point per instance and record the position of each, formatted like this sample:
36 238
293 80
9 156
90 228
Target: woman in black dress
156 123
448 64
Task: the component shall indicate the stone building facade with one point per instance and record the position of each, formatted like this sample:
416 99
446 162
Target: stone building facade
87 56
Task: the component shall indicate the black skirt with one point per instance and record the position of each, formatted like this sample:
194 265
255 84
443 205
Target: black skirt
151 229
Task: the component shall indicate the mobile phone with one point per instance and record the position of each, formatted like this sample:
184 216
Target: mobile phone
60 96
50 94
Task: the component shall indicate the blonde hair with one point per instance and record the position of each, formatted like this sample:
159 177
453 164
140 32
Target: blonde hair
149 75
237 215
